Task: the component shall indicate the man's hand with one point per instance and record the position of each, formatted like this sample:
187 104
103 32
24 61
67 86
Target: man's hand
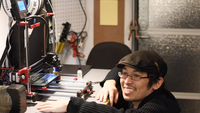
57 106
109 90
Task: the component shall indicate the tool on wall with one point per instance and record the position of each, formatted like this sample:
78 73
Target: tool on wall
62 40
134 27
74 41
73 44
82 38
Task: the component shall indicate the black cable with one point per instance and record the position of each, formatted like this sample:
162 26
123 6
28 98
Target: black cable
85 18
6 50
47 27
83 26
81 31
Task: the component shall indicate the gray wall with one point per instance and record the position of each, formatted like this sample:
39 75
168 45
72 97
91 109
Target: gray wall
172 28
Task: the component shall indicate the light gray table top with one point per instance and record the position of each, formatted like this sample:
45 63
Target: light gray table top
70 88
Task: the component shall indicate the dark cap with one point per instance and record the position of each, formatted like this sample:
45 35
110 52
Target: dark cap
145 61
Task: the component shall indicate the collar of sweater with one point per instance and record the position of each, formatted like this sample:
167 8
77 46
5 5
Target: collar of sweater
151 96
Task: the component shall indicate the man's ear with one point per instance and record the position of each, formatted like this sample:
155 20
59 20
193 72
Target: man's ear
158 84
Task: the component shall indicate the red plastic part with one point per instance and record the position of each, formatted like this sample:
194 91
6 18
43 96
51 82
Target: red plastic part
50 14
35 25
28 93
23 23
32 89
44 88
24 72
88 91
59 77
75 78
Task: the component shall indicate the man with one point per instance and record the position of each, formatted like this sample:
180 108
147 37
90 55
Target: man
142 89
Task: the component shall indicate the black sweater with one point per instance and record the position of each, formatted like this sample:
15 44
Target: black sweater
160 101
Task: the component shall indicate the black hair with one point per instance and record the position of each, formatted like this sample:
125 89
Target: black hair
153 78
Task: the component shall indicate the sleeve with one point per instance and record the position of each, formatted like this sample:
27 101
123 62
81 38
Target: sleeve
113 74
78 105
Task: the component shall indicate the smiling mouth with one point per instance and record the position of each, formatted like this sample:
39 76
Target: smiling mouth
129 90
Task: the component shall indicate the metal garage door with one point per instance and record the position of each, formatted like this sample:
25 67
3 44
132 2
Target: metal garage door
172 28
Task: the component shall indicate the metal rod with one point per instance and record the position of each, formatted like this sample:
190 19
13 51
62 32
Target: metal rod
36 63
79 81
65 87
54 36
59 95
63 90
19 47
73 85
45 39
27 49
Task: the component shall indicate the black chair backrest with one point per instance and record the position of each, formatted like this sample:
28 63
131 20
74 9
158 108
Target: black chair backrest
106 55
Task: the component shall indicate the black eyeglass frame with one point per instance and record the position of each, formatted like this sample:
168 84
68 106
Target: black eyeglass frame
121 73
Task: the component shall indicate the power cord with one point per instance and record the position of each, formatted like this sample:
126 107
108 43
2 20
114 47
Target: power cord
81 32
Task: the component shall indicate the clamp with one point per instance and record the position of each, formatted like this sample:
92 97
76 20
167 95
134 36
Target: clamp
86 92
133 28
83 36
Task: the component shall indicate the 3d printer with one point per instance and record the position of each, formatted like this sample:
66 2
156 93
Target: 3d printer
27 50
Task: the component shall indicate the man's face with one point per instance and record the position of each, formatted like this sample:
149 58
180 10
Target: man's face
132 90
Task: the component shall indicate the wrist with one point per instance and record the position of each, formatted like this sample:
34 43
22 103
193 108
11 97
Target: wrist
109 83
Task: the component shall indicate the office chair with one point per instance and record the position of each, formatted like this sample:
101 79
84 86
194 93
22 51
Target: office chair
106 55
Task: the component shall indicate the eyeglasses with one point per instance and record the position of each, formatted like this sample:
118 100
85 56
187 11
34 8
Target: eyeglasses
135 77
